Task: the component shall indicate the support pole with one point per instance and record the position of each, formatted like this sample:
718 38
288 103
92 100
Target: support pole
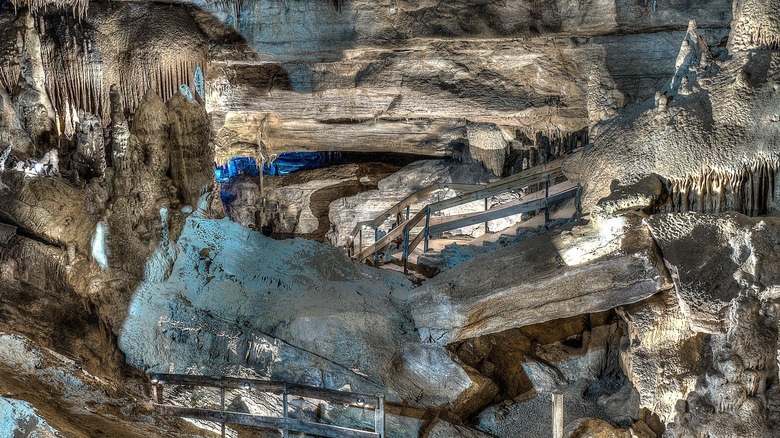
379 418
361 239
284 412
546 206
222 408
406 251
407 212
557 415
376 254
157 393
486 209
427 226
578 202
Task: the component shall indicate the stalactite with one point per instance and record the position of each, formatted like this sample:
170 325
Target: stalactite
77 80
9 76
750 190
765 37
79 7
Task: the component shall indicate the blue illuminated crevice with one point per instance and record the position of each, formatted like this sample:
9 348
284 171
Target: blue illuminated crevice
285 163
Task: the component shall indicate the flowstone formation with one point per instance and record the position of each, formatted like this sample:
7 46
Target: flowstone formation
710 135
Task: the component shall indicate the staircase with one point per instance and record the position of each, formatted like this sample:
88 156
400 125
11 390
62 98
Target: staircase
423 225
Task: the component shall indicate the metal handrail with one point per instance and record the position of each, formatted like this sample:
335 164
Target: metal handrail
404 205
543 173
285 423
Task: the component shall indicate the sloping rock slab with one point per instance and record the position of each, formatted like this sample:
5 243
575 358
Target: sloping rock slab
540 281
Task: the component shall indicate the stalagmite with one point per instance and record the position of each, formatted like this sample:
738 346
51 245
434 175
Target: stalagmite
90 150
150 125
119 129
32 103
488 145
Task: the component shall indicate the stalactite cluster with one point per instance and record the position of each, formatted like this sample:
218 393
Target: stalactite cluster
78 80
9 75
79 7
750 191
526 153
764 37
74 83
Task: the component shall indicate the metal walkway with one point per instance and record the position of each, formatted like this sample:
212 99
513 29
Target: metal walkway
284 423
428 225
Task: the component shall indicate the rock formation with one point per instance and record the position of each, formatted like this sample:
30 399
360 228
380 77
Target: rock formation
651 305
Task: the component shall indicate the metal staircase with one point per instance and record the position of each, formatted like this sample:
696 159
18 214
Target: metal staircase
423 225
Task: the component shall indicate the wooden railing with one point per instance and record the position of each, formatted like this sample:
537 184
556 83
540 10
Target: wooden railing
285 422
544 174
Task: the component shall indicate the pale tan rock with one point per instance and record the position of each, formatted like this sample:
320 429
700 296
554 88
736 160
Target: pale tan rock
473 300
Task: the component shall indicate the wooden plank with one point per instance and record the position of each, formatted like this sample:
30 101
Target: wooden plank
324 430
534 175
496 189
529 176
538 195
331 395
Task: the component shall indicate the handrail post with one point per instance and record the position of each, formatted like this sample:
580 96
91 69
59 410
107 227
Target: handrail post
376 253
407 212
284 412
361 239
157 390
578 202
406 249
427 227
546 205
222 407
486 209
379 417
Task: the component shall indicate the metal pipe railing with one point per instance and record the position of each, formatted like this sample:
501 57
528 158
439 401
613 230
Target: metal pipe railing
285 422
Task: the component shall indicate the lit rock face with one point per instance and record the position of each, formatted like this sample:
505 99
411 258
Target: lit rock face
707 283
711 134
585 270
18 417
287 310
704 356
410 77
366 76
298 204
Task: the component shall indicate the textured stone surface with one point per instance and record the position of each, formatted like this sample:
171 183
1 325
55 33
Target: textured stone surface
725 104
474 300
253 306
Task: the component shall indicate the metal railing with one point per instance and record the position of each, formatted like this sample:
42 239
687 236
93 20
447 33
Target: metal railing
285 422
543 174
